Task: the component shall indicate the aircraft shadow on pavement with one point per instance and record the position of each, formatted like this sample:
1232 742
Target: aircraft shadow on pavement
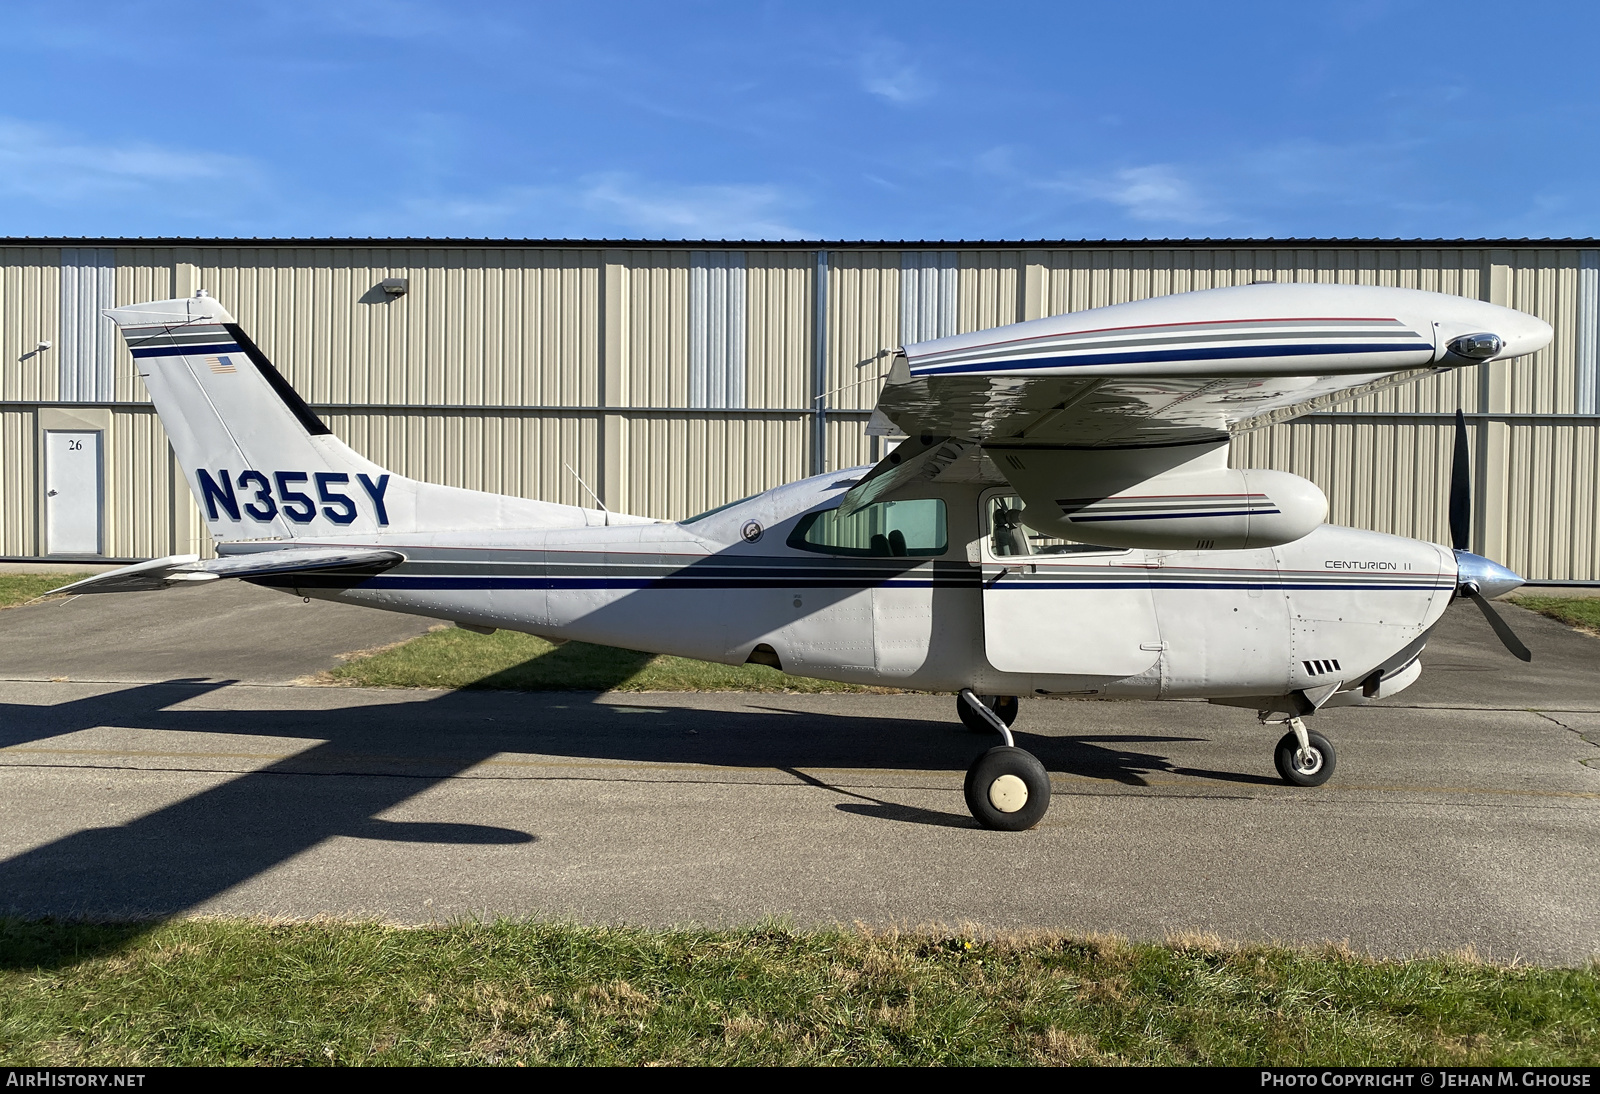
577 666
363 760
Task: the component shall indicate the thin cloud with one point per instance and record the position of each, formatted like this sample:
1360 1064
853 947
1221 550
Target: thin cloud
903 85
1157 192
704 212
53 168
1307 167
399 20
1154 192
1395 178
886 73
620 204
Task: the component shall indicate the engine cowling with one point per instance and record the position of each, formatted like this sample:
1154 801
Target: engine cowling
1175 498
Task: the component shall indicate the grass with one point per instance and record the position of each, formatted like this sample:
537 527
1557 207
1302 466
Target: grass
238 992
18 589
1579 612
455 658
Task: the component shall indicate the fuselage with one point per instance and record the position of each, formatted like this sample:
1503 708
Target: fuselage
1341 609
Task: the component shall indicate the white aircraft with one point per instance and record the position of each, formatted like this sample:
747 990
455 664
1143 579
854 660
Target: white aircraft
1060 521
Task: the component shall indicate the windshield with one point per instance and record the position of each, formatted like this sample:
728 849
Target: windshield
718 509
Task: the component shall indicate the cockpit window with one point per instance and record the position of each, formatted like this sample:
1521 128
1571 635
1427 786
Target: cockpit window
914 528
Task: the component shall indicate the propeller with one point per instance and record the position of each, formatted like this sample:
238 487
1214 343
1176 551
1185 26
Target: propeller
1460 489
1474 573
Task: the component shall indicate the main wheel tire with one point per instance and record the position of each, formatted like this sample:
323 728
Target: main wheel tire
1007 788
1312 770
1006 706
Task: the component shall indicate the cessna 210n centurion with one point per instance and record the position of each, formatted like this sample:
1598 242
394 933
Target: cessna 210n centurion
1061 520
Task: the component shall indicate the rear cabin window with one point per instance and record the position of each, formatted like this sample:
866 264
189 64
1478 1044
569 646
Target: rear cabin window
889 529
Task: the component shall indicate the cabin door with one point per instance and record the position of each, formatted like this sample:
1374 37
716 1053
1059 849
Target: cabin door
1051 606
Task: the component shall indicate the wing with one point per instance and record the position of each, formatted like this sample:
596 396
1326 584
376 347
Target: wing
1172 371
320 565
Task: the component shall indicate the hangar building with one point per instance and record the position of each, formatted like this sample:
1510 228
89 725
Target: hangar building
668 377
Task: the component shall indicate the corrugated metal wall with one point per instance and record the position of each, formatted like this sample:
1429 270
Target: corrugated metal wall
478 327
1587 336
532 455
86 357
668 379
19 490
717 313
30 311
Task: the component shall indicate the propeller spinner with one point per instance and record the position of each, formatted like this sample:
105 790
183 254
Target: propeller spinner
1477 578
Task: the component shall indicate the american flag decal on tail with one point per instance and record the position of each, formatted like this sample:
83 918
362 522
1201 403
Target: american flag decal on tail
221 365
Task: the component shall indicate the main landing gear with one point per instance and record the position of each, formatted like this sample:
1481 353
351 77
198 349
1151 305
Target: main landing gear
1304 758
1007 787
1004 707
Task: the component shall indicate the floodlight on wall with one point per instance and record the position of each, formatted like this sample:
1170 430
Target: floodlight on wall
42 346
396 286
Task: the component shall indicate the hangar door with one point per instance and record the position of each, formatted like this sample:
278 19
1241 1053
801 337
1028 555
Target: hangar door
73 492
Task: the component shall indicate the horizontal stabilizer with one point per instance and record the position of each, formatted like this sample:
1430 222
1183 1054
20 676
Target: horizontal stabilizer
174 570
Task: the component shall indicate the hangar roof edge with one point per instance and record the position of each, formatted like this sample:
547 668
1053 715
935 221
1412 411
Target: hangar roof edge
776 244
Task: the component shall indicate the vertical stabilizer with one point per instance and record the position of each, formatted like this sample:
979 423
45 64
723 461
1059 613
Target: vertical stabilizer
262 465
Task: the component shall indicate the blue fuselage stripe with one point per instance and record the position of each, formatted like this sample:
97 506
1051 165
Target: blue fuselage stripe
400 581
552 584
1034 584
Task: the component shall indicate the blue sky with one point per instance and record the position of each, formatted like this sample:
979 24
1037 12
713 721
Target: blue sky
800 120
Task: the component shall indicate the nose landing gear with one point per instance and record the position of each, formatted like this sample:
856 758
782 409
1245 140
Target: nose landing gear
1007 788
1304 758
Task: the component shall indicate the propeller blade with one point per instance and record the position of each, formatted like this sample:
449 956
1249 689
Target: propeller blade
1460 488
1502 629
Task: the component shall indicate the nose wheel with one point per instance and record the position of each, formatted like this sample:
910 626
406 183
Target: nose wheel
1304 758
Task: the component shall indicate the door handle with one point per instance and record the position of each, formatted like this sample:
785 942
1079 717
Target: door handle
51 494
